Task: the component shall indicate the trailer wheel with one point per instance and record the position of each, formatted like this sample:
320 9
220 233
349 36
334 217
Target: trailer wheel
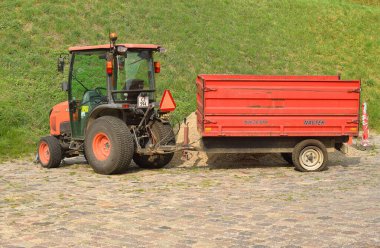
287 157
49 152
109 145
310 155
162 133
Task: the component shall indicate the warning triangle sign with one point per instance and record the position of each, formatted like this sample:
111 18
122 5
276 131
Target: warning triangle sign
167 102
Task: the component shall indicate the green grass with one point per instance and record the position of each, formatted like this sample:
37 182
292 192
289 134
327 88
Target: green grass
253 37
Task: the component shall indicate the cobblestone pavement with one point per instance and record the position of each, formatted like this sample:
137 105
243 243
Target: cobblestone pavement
266 204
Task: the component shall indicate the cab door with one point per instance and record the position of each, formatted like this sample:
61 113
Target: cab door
87 89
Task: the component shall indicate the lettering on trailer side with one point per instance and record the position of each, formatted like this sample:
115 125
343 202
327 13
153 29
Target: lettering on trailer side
314 122
255 122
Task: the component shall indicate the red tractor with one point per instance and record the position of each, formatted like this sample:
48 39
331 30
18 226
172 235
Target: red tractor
111 115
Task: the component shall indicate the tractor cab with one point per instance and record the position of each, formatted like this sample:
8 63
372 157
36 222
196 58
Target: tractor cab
98 75
111 115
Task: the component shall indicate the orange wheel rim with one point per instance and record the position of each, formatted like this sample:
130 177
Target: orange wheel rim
101 146
44 152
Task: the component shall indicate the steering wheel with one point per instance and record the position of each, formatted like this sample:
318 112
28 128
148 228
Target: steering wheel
98 90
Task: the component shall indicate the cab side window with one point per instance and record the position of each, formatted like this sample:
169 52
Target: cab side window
88 74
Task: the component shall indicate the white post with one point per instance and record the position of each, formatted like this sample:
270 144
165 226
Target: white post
365 142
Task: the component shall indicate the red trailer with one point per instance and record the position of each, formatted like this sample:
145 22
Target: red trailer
301 117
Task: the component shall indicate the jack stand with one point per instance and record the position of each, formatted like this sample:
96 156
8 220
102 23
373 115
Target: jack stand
185 156
185 153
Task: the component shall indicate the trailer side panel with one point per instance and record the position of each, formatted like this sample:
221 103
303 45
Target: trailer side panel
257 106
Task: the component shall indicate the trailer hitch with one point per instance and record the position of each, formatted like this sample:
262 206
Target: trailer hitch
164 149
157 148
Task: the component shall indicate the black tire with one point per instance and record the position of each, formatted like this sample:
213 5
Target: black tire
118 148
287 157
165 136
310 155
49 152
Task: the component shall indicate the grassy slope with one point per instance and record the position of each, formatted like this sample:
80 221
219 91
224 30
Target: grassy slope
253 37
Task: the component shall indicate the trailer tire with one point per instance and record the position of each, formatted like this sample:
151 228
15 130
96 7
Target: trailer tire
165 135
49 152
310 155
109 145
287 157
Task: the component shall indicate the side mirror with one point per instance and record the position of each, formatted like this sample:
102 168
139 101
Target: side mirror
60 64
65 86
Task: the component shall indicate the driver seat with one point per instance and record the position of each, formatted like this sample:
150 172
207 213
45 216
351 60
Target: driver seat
91 99
134 84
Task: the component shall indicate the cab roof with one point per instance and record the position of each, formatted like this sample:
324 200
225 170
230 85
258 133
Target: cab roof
107 46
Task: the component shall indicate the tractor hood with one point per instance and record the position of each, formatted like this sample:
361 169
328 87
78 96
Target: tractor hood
59 115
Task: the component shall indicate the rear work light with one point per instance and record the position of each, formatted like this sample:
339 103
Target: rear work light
109 67
167 103
157 67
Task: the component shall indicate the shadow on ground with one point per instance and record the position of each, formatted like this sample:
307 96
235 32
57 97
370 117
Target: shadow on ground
228 161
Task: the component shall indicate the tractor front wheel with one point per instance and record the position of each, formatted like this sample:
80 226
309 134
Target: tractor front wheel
161 134
49 152
109 145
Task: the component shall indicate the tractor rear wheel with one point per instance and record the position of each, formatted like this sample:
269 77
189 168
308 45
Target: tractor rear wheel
163 134
310 155
49 152
109 145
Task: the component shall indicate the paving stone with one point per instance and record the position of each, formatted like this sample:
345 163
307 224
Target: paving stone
199 206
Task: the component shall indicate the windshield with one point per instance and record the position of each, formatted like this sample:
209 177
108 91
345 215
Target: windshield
135 71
